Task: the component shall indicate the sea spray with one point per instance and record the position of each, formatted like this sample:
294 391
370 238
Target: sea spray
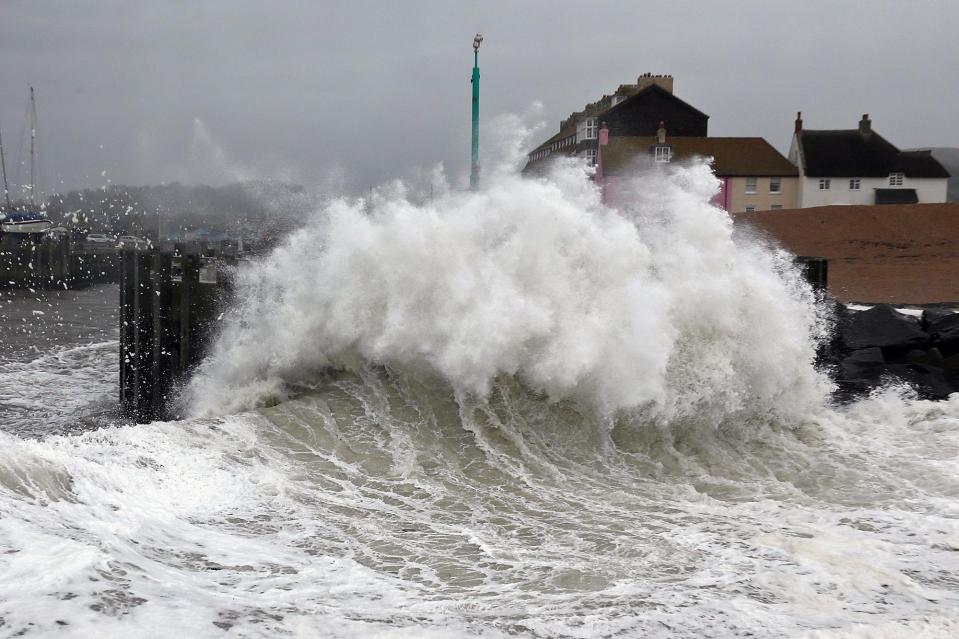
418 499
652 307
376 505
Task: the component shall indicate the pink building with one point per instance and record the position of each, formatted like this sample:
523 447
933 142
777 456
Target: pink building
646 124
753 175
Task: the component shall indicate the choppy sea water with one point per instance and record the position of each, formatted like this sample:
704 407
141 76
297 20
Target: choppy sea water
58 359
405 473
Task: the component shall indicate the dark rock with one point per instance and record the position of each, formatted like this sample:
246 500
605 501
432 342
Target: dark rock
931 315
945 333
932 357
866 363
884 327
872 355
831 350
929 382
950 365
879 346
839 312
860 372
848 390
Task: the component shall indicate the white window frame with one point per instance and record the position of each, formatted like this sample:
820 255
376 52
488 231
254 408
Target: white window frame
591 157
825 184
750 209
662 154
897 179
752 185
592 129
776 182
855 184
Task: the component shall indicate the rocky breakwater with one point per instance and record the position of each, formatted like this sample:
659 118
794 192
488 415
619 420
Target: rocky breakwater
880 345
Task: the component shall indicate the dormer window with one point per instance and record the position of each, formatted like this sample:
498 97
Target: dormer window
592 129
896 179
662 153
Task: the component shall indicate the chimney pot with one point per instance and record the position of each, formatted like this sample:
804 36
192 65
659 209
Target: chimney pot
664 82
798 121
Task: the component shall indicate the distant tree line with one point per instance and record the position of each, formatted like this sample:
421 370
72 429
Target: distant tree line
247 209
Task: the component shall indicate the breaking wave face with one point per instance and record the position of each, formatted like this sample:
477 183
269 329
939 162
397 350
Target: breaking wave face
511 413
656 309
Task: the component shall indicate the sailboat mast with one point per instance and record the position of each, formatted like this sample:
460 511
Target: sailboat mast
3 168
33 149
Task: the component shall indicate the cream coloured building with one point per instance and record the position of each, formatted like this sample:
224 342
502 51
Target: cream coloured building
858 166
753 175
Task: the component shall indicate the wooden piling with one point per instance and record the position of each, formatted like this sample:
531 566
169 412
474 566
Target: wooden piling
65 245
127 332
166 333
40 265
168 314
143 338
816 271
189 285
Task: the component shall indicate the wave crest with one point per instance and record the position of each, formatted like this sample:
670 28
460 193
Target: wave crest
656 306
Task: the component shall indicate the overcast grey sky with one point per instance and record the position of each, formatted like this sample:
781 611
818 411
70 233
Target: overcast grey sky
144 91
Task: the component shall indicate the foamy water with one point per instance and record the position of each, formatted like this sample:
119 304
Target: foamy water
535 279
510 414
56 391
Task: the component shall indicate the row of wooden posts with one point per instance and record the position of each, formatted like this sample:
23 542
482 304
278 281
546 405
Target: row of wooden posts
170 301
170 304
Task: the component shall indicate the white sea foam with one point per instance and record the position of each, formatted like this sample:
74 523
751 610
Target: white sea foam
48 393
686 479
376 506
655 306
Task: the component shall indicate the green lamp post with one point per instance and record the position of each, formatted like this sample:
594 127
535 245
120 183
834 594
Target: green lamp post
474 158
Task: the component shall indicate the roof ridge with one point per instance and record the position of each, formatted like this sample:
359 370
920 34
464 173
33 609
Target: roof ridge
645 90
732 156
856 131
848 153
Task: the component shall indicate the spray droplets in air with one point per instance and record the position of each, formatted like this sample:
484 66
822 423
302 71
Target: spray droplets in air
652 307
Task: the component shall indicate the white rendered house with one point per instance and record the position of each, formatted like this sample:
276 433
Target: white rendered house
859 166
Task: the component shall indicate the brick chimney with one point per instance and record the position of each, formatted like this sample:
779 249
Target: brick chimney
798 121
648 79
865 126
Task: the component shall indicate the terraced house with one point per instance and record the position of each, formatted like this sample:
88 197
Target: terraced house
643 125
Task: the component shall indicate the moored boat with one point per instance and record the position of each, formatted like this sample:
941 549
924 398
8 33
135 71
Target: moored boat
24 221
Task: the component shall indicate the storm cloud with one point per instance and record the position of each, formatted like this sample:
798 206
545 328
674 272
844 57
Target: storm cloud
142 92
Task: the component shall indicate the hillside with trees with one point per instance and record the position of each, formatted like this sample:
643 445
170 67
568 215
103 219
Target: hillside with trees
244 209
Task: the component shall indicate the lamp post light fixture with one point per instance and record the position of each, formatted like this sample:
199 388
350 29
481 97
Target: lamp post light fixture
474 156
